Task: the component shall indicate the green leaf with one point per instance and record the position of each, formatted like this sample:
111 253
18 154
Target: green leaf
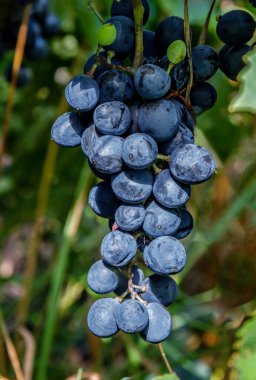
172 376
176 52
244 360
245 98
106 35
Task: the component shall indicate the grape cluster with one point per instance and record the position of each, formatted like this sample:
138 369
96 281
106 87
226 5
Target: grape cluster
235 29
137 130
42 25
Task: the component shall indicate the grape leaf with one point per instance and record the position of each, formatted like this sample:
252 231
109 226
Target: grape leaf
244 360
172 376
244 100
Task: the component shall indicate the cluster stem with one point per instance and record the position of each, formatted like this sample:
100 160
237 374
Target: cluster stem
138 11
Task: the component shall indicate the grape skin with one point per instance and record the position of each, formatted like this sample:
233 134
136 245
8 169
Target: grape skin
132 316
139 151
159 324
160 221
132 186
118 248
161 112
101 318
165 255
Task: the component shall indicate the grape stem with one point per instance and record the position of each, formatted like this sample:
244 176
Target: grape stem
138 11
163 157
171 65
156 169
203 35
161 349
91 72
127 69
111 55
189 50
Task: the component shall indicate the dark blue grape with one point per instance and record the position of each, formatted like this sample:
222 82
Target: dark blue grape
150 50
192 164
169 192
132 316
179 73
203 96
159 324
98 174
160 221
38 50
112 118
82 93
169 30
88 139
165 255
106 154
118 248
125 8
231 60
24 75
103 201
102 68
34 31
40 9
162 113
151 82
235 27
133 186
115 85
205 62
139 151
188 120
68 129
130 217
51 25
186 226
101 318
161 289
125 38
184 136
134 108
102 278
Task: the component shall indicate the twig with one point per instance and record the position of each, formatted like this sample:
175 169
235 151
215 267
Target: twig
127 69
203 35
11 350
162 157
156 169
138 11
189 50
18 57
161 349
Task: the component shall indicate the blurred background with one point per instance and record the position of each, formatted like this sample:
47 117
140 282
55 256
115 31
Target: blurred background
49 236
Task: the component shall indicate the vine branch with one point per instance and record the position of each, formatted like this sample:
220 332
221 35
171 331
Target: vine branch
189 49
203 35
138 11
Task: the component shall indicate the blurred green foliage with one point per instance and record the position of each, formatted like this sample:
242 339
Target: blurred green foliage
213 324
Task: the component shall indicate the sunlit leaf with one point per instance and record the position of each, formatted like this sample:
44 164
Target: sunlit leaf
244 360
245 98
